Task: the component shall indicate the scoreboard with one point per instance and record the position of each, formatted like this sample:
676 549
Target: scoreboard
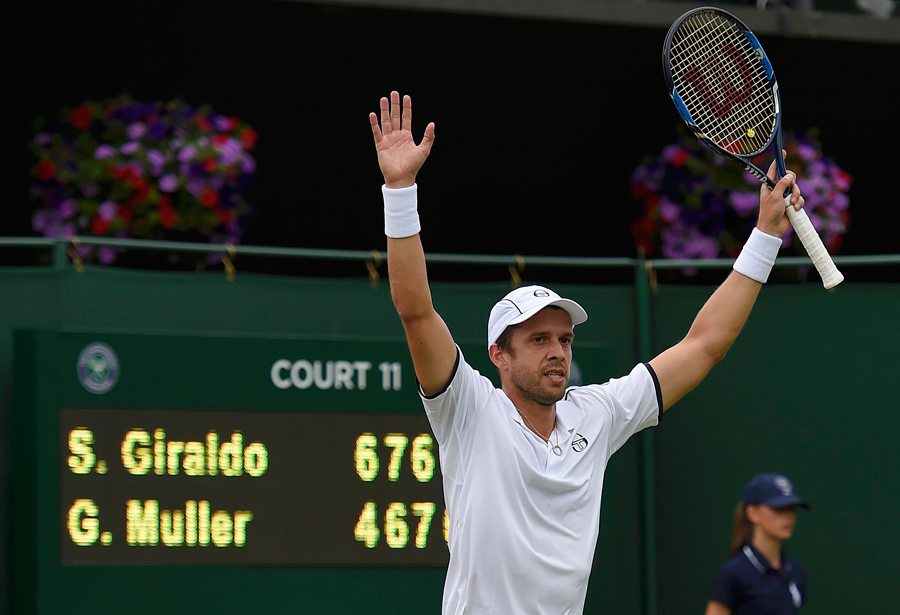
204 473
193 487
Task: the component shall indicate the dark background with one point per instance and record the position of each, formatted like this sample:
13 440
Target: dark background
538 124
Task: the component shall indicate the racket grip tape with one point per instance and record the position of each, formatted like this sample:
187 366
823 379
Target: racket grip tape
810 239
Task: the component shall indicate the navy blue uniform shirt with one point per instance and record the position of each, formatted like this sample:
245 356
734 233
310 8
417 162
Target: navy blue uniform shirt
748 584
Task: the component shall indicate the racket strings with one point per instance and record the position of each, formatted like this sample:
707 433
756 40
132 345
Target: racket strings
723 83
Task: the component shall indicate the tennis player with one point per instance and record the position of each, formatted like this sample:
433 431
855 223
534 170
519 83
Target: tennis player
523 465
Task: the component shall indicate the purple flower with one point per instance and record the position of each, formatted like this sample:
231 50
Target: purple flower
43 139
90 189
701 246
106 255
108 210
231 151
248 164
670 151
156 158
816 220
840 201
187 153
786 238
65 231
813 198
817 167
668 210
67 209
130 148
104 151
168 183
39 220
222 123
806 151
743 203
136 131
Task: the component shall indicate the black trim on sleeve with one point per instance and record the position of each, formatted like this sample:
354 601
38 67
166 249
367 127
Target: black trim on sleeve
449 380
658 391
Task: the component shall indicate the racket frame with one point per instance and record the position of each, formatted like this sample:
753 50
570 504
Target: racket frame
831 277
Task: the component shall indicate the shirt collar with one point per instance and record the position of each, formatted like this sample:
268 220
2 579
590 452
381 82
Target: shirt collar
761 563
568 415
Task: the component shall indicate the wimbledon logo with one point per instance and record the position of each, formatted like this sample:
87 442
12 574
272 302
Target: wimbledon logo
98 368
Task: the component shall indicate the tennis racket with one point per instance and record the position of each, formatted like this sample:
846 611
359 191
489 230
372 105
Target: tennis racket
723 85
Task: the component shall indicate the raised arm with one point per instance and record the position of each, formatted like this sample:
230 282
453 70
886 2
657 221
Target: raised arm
430 343
682 367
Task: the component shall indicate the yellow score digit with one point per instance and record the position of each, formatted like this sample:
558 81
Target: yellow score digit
425 512
366 530
365 457
421 458
396 530
397 442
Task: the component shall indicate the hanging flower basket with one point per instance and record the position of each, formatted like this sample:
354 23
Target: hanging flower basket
122 168
695 204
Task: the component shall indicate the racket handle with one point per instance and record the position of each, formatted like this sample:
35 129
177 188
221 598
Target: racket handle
805 230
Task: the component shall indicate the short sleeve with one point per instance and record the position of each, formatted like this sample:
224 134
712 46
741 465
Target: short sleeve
726 588
452 410
633 402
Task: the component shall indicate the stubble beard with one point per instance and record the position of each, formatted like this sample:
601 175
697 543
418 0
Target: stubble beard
528 384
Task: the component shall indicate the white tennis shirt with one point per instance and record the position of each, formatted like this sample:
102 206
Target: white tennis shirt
523 520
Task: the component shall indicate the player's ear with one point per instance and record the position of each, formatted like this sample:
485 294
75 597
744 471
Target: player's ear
498 356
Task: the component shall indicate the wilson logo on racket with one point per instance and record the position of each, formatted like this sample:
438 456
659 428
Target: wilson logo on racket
712 65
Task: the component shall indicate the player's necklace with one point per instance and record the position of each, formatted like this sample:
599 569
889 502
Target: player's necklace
553 447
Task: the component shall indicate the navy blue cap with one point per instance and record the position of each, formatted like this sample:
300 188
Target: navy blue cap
773 490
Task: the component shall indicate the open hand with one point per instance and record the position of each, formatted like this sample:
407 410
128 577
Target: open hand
398 155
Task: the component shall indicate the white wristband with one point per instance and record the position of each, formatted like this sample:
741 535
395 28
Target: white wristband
758 255
401 216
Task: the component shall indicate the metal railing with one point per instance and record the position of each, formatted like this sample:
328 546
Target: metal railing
64 250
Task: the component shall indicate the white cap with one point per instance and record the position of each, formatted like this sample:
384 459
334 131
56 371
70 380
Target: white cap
523 303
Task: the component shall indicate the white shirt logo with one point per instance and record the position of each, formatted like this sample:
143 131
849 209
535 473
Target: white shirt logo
795 594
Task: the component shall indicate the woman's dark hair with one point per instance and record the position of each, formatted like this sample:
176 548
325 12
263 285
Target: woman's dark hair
741 529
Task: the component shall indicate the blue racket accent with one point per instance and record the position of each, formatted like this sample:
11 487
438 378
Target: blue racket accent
682 109
754 42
